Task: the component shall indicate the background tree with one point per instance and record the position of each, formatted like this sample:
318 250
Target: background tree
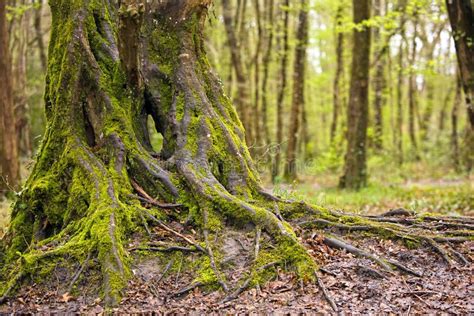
282 88
355 167
461 17
299 73
337 101
9 158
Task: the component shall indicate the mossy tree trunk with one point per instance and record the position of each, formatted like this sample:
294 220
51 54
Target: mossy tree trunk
110 68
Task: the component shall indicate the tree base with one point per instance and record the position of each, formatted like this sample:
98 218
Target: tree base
217 252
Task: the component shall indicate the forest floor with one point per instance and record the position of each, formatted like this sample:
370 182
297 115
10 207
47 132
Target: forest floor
354 287
443 289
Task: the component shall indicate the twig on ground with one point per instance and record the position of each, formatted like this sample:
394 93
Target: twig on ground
245 285
326 294
167 268
258 232
187 289
145 197
78 273
213 262
403 268
168 229
166 249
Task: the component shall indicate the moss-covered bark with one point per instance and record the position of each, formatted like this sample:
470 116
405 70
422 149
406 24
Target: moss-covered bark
109 69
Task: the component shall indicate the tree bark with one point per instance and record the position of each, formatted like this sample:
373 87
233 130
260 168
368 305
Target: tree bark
454 123
379 84
337 95
413 91
9 159
461 16
19 53
281 89
400 81
266 69
299 72
355 173
243 91
38 16
257 117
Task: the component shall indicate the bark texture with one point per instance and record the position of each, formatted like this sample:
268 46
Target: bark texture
379 82
355 176
461 16
297 105
285 5
9 160
337 84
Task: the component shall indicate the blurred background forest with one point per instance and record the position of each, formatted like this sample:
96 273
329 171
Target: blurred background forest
287 66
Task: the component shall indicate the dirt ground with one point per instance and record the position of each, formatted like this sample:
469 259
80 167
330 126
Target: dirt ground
442 289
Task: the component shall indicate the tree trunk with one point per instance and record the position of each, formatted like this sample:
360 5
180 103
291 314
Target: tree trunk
38 15
337 95
98 183
299 72
258 140
379 84
19 53
454 123
400 81
281 89
413 91
355 175
461 16
243 92
9 160
266 69
96 157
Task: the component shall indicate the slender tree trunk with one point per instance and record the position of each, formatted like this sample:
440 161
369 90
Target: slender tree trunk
299 72
379 84
339 73
454 123
281 89
266 69
461 16
400 81
243 92
259 140
9 160
413 91
442 112
38 16
355 168
19 57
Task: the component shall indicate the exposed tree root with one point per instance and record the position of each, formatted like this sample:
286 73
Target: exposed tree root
336 243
